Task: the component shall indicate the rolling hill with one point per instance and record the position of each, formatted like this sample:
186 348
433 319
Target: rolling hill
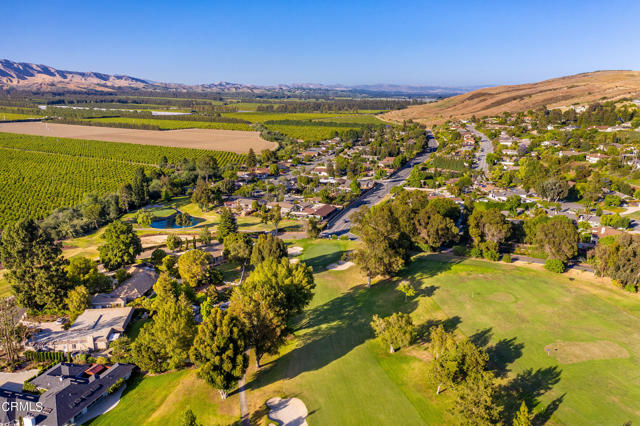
564 91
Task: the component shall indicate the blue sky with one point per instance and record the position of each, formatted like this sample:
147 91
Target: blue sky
459 43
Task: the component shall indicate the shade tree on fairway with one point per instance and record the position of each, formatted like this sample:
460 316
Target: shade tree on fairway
396 330
121 247
219 351
522 418
35 266
268 247
619 260
384 248
476 397
406 288
237 248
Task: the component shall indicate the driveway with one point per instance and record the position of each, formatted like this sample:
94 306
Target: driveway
14 381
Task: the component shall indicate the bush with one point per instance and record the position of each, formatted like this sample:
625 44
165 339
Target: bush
507 258
114 387
631 288
490 255
475 252
554 265
121 275
157 256
459 250
29 387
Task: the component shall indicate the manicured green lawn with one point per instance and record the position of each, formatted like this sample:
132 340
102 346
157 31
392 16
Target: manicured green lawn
5 287
161 400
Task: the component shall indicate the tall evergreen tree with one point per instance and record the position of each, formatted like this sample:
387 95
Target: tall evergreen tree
36 267
228 224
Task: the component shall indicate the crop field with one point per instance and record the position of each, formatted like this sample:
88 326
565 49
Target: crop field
353 118
261 117
307 132
173 124
8 116
40 174
208 139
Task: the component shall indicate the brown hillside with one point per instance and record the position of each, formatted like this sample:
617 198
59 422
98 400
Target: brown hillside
557 92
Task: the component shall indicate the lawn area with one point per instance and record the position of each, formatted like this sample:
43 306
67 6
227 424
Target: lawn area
590 377
161 400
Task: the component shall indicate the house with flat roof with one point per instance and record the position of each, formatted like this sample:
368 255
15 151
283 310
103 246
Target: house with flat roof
69 391
93 330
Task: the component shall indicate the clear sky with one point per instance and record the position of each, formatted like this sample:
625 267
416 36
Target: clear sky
459 43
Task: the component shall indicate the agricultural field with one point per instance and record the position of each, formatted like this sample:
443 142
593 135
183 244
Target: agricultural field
261 117
201 139
353 118
40 174
306 132
172 124
345 376
8 116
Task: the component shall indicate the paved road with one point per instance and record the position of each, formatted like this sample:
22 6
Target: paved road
341 224
486 147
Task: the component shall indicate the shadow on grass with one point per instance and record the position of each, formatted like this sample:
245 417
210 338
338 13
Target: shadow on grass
501 354
529 386
328 332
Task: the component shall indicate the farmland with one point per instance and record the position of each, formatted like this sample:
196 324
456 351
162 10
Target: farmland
210 139
40 174
8 116
171 124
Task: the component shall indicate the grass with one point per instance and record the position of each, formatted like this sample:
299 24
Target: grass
5 287
161 400
6 116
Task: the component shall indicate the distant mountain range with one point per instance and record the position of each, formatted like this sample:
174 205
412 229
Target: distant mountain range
43 78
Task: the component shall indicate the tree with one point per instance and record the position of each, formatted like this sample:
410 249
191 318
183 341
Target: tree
94 213
294 281
475 402
488 228
396 330
522 417
252 161
275 216
122 245
173 242
354 186
237 248
188 418
207 166
193 265
204 236
126 197
313 229
553 189
183 219
434 228
78 300
169 265
258 305
140 188
219 350
164 342
383 250
156 257
407 289
268 247
12 333
82 271
35 265
619 260
227 225
144 218
205 196
558 237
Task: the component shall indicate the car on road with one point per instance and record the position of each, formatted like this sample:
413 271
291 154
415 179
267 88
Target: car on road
61 321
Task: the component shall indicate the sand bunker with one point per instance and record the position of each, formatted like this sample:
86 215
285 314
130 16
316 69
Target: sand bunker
574 352
213 139
289 412
340 266
294 251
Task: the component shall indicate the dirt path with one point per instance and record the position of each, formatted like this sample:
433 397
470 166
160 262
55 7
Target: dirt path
244 407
